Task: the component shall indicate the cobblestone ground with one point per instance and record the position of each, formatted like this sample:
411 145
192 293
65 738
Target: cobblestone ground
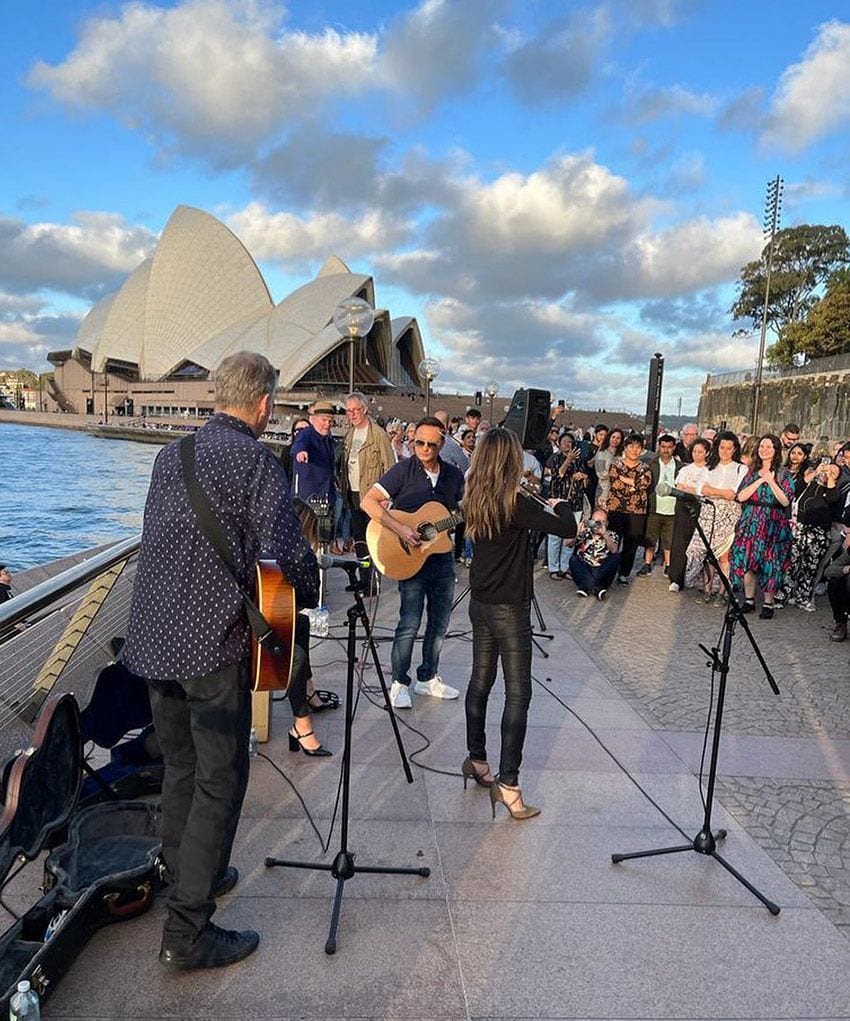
647 639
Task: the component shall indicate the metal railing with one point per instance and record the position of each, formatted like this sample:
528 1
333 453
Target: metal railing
58 635
831 363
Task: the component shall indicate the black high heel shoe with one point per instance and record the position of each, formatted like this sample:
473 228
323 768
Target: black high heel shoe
469 772
295 740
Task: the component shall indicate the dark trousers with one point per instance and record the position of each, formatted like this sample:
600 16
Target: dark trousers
594 579
630 528
203 726
460 537
838 593
684 526
359 523
500 630
301 669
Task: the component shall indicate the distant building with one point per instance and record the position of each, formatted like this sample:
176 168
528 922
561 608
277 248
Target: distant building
151 347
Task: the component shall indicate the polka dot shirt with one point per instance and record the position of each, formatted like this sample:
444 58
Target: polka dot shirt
186 617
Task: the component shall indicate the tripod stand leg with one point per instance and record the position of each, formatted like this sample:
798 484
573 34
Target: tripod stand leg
330 942
539 647
615 858
774 909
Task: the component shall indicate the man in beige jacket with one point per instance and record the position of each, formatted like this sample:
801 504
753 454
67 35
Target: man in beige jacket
366 456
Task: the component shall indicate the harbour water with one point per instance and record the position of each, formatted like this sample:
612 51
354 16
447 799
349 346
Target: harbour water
63 492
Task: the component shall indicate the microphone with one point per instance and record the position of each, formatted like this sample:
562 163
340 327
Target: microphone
326 562
665 489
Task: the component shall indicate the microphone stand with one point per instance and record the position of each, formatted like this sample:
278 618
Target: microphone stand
705 842
343 868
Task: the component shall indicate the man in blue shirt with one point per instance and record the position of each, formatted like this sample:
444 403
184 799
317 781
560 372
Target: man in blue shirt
189 638
313 457
409 485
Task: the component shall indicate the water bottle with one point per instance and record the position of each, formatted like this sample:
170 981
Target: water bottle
252 743
24 1004
320 622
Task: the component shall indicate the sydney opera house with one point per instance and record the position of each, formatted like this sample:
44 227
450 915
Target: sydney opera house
151 348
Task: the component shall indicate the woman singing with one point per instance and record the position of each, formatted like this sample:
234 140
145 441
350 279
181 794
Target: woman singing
498 520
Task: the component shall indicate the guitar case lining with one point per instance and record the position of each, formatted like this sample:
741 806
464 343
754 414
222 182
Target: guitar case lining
104 872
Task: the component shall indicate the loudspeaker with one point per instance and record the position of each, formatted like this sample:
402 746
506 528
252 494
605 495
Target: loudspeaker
528 417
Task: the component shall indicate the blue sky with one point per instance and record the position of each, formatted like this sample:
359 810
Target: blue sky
555 190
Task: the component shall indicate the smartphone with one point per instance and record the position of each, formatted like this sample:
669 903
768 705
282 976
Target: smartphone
825 460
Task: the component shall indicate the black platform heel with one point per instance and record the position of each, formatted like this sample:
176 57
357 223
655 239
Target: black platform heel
295 740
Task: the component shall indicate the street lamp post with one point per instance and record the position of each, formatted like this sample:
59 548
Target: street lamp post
491 389
353 317
429 369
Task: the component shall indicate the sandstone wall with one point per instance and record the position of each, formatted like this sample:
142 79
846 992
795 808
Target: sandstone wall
819 404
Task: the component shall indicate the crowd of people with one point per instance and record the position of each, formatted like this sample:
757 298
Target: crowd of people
773 509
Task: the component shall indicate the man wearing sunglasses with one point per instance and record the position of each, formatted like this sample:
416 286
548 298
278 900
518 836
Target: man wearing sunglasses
409 485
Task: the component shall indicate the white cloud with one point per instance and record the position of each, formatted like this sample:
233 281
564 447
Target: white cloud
672 101
436 48
812 99
562 59
209 75
87 257
300 241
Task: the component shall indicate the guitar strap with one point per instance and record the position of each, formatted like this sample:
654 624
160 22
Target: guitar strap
211 527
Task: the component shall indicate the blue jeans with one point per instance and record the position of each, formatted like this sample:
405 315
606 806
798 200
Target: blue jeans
433 586
594 579
558 553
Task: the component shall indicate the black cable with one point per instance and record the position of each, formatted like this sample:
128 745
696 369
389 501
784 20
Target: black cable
610 754
324 844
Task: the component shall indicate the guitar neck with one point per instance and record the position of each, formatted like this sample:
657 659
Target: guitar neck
446 524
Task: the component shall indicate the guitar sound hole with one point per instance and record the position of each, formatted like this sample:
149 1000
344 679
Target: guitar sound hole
427 532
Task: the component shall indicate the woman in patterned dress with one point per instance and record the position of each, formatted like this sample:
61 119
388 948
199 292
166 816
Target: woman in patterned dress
811 521
628 499
610 450
761 552
718 519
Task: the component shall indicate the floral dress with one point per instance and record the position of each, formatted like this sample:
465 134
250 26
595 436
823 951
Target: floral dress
718 520
763 534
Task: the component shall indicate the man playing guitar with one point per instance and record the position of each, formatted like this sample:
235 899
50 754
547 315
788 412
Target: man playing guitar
409 485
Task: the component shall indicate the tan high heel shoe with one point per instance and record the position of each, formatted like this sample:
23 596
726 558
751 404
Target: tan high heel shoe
497 796
469 772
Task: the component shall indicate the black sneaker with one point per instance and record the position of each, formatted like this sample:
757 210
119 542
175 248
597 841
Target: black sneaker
622 580
214 948
645 571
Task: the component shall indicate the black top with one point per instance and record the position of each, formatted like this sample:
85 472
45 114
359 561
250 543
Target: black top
501 570
408 486
5 593
187 618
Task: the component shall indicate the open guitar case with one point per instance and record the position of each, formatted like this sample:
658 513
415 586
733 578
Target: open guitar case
103 864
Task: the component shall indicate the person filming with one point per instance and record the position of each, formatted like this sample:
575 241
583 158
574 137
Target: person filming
595 559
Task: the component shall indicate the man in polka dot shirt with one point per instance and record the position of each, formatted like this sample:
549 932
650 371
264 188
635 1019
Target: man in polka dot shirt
189 638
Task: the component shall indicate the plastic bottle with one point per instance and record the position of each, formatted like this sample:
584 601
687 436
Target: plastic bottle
252 743
24 1004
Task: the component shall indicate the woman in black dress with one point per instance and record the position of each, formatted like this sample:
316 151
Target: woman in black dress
498 520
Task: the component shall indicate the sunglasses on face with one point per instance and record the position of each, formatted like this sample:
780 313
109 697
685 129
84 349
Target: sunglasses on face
430 444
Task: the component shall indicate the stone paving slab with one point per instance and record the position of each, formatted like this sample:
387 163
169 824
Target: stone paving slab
517 919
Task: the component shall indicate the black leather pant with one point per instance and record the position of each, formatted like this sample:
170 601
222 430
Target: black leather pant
500 630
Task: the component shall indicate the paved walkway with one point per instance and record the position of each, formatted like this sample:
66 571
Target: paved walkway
532 920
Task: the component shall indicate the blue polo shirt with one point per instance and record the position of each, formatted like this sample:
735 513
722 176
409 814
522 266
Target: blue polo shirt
408 486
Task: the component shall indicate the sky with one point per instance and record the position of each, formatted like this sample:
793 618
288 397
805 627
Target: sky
555 190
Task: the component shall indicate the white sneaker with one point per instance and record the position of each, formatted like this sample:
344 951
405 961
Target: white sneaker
673 587
400 696
436 688
806 605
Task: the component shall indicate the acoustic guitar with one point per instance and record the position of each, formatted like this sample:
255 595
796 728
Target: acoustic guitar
396 558
275 599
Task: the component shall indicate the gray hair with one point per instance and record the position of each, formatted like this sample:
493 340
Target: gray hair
242 379
361 399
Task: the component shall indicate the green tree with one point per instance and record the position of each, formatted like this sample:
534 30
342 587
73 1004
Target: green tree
826 330
804 259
